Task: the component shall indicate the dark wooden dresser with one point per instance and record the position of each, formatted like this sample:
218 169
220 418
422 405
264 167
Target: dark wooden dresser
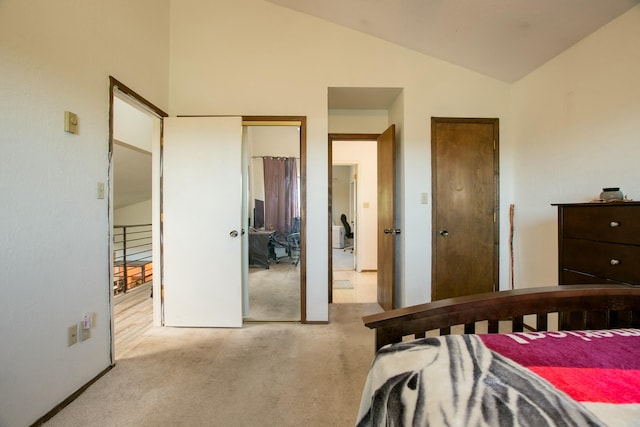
599 243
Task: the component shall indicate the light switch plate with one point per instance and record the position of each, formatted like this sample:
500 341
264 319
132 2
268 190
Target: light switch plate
72 335
100 192
70 122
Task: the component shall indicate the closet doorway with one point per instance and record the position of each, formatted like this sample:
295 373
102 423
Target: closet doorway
274 207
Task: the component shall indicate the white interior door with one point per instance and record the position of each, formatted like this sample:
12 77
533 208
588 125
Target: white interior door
202 201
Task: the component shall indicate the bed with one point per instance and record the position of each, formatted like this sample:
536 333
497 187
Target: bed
560 355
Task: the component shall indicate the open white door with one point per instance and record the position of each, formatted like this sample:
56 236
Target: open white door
202 201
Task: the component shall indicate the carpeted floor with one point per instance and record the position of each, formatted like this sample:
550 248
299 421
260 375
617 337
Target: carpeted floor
259 375
274 293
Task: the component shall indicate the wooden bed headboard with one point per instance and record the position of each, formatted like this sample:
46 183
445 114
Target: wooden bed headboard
578 306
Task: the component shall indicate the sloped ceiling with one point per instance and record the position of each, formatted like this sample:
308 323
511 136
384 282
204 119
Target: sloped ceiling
504 39
131 175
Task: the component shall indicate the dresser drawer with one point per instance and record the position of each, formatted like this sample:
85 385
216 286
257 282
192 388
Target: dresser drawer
605 223
607 260
570 277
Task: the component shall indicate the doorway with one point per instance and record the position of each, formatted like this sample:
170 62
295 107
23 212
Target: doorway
205 239
353 218
465 191
343 231
134 139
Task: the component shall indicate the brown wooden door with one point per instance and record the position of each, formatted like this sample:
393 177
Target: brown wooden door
386 218
464 156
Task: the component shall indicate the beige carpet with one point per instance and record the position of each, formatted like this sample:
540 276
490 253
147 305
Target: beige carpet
260 375
274 293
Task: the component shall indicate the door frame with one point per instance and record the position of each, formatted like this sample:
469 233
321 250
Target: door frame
115 86
496 193
273 121
337 137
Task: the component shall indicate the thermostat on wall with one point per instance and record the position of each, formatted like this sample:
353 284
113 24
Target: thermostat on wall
70 122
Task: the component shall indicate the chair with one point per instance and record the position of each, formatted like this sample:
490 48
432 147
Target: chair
290 242
348 233
293 240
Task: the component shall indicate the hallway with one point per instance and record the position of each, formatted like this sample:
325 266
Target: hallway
350 286
132 318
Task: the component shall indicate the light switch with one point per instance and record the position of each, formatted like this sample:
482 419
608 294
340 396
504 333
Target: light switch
70 122
424 198
100 190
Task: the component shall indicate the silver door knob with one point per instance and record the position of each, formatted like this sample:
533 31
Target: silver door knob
391 231
444 233
234 233
614 261
614 224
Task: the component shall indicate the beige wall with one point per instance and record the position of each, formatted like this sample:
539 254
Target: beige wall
57 57
577 130
136 214
217 67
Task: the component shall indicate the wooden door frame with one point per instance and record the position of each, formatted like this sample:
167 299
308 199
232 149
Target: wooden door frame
496 192
303 198
272 120
116 86
336 137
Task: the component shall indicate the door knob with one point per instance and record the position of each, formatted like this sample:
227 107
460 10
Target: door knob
444 233
391 231
234 233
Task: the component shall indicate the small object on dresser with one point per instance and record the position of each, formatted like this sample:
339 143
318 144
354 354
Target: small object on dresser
610 194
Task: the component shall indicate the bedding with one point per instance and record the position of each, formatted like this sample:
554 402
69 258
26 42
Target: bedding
562 378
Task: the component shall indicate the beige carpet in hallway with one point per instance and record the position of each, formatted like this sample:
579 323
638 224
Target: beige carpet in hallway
260 375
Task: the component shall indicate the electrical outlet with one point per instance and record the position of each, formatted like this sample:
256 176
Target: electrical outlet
72 335
85 334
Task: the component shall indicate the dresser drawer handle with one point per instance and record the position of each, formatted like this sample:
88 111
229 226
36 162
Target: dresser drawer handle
614 261
614 224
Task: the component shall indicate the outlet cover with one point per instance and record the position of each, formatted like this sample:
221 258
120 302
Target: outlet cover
85 334
72 335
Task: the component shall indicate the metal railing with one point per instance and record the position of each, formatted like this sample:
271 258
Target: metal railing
132 256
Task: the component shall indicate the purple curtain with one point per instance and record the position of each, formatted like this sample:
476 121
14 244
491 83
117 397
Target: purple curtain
281 193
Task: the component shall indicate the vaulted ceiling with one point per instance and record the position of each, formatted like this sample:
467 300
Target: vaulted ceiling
504 39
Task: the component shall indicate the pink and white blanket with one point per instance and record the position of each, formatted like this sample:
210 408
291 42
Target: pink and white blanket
567 378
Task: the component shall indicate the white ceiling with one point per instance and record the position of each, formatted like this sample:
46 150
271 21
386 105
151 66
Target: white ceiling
131 175
132 139
504 39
